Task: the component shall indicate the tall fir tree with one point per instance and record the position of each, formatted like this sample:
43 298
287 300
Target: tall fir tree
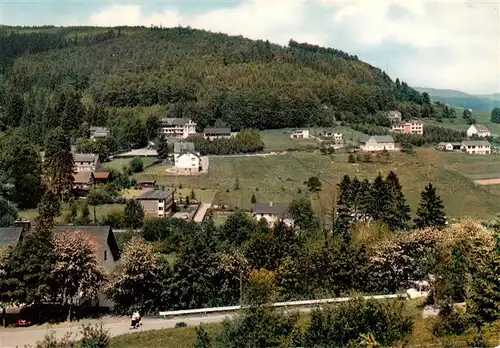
430 212
162 148
399 212
48 209
380 203
58 163
73 113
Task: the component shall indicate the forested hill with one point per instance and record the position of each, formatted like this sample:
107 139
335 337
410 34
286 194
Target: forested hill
193 73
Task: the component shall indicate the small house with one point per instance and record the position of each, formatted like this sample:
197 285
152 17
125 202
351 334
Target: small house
101 177
373 143
476 147
85 161
449 146
300 134
188 162
143 184
478 129
98 132
83 180
272 213
157 202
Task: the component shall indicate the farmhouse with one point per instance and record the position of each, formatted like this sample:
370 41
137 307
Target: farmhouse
83 180
272 213
408 127
188 162
449 146
377 143
217 133
179 128
479 130
85 161
157 202
476 147
394 116
300 134
98 132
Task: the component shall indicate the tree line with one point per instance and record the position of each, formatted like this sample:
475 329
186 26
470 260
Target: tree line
246 141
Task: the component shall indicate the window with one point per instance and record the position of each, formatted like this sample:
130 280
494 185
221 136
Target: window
160 208
105 255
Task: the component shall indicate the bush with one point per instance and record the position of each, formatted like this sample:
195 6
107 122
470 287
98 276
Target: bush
136 165
450 322
351 159
180 325
94 336
342 324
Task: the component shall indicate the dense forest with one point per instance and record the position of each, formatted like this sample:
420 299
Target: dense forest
64 76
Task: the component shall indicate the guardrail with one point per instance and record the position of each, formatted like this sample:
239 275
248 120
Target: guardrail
309 303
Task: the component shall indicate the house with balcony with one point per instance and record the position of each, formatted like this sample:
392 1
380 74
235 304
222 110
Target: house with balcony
157 203
408 127
217 133
85 162
476 147
177 128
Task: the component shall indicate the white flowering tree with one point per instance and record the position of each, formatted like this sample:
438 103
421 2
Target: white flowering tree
77 272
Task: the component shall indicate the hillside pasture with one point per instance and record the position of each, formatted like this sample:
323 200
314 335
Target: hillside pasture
460 124
280 178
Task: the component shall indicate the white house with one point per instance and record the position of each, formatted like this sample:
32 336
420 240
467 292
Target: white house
476 147
85 161
188 162
408 127
300 134
479 130
179 128
272 213
449 146
98 132
377 143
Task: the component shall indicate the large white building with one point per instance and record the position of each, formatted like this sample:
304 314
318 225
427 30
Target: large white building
186 159
476 147
179 128
377 143
479 130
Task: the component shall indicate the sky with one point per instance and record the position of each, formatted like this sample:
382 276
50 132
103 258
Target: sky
450 44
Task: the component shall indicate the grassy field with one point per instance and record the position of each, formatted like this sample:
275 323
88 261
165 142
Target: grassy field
279 140
101 211
279 178
119 163
460 124
186 337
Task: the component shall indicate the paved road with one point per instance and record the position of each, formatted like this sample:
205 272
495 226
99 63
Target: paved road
200 214
10 338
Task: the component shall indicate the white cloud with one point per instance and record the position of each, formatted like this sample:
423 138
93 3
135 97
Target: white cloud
454 44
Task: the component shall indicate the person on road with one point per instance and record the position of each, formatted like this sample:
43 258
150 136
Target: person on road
136 318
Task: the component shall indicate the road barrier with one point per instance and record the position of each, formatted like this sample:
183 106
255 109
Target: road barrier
309 303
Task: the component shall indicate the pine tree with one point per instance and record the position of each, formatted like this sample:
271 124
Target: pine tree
162 148
430 212
253 200
399 211
73 113
380 202
48 209
58 163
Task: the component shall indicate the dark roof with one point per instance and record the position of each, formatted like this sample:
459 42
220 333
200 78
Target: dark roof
174 121
101 234
155 194
10 236
271 208
189 152
84 157
476 143
183 146
217 130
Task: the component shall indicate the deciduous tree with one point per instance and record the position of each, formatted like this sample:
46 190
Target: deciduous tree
134 214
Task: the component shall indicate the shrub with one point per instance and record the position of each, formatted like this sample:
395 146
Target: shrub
342 324
180 324
136 165
450 322
94 336
351 159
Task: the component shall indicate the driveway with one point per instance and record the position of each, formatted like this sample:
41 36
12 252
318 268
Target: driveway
202 211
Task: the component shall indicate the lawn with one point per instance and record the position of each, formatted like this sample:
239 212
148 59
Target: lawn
118 163
460 124
186 337
101 211
279 178
279 140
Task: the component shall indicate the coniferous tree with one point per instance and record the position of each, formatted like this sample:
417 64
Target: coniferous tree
399 211
58 163
380 204
430 212
73 113
162 148
48 209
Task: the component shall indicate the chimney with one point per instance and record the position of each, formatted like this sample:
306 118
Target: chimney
26 225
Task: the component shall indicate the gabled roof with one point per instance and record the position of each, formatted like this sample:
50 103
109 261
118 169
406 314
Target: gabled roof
83 177
377 138
476 143
481 127
217 130
10 236
183 146
155 194
187 152
271 208
102 235
174 121
101 175
85 157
